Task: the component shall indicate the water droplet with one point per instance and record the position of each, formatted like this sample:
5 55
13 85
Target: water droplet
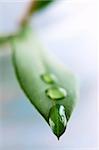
62 114
51 123
56 93
48 78
57 120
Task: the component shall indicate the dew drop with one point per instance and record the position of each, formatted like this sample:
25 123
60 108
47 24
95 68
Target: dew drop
62 114
51 123
56 93
57 120
48 78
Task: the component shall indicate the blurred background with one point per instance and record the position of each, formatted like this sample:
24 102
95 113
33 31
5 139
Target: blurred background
68 29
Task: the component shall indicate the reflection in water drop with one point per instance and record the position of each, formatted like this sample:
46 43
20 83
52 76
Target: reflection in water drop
51 123
56 93
62 114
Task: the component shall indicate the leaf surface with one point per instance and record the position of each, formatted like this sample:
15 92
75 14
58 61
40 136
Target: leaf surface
31 61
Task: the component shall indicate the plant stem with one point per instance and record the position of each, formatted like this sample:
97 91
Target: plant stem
32 8
29 13
24 22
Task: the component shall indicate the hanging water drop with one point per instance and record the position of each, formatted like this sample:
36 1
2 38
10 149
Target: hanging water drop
48 78
57 120
56 93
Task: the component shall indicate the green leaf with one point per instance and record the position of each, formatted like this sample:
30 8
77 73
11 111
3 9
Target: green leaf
39 4
4 40
45 81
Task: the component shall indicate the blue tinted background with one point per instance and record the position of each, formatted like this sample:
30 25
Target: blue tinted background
68 29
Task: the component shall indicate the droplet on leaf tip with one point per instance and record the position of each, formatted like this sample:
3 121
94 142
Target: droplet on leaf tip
57 120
